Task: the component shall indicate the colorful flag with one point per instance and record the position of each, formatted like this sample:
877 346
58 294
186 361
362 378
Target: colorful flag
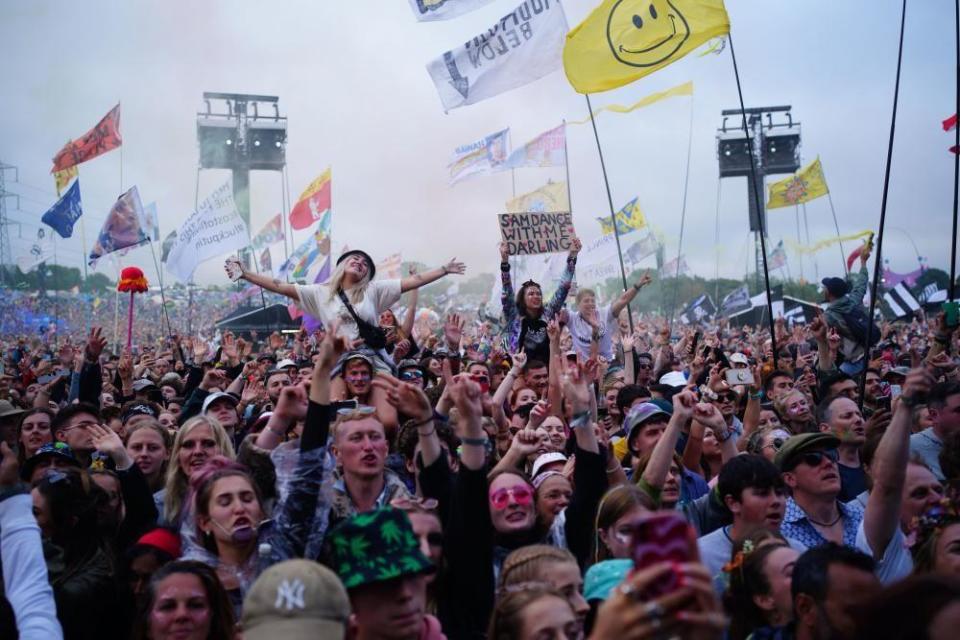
65 213
102 138
546 150
629 218
624 40
482 157
271 233
550 198
891 279
428 10
319 247
168 243
123 227
736 300
151 221
669 269
685 89
805 185
949 125
519 48
389 267
214 229
266 264
642 248
63 178
313 202
777 257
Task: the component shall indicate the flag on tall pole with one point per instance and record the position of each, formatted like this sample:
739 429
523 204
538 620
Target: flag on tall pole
105 136
63 178
521 47
629 218
736 300
312 203
546 150
65 213
482 157
620 42
123 227
685 89
777 257
550 198
806 185
271 233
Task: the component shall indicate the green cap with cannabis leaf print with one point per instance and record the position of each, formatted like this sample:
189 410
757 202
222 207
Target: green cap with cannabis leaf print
374 547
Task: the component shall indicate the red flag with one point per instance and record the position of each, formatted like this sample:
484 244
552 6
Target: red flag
102 138
853 257
313 202
950 123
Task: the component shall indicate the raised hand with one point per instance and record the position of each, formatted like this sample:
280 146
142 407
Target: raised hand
519 361
553 331
683 404
276 341
292 403
575 389
95 344
709 416
214 378
504 252
538 414
107 441
332 347
526 442
453 330
409 399
453 266
466 396
401 349
575 246
251 392
200 350
644 280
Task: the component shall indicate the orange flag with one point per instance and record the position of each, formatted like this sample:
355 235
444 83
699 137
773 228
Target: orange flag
102 138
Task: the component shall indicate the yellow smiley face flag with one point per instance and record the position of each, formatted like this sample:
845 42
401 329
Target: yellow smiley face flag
624 40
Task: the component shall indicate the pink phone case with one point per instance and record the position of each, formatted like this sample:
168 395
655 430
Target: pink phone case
661 537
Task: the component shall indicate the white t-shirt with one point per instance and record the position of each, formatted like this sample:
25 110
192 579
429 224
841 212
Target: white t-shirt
380 295
581 332
895 563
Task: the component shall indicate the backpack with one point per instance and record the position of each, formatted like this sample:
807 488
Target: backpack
858 324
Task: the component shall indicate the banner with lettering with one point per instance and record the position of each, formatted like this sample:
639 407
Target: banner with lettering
532 232
523 46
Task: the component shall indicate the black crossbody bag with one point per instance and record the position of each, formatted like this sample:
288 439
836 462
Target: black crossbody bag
372 335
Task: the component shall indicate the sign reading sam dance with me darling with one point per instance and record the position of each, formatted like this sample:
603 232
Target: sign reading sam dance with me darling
533 232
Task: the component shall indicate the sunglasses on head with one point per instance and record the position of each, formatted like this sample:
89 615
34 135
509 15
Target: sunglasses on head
777 444
522 495
362 409
815 458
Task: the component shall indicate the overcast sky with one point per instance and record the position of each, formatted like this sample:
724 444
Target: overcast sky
351 79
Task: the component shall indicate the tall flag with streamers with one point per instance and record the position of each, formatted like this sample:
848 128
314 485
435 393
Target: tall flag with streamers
685 89
550 198
124 227
546 150
105 136
65 213
312 203
521 47
63 178
483 157
629 218
625 40
271 233
428 10
805 185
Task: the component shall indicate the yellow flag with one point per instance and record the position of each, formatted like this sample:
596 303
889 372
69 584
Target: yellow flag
685 89
823 244
629 218
64 177
624 40
804 186
550 198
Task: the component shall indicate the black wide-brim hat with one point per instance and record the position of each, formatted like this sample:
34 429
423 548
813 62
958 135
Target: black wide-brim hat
366 256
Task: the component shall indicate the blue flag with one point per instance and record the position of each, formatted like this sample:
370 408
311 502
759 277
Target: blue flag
65 213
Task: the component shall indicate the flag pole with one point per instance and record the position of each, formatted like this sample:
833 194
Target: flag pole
283 211
796 214
566 164
163 295
513 172
843 253
759 202
806 230
716 247
683 218
613 214
883 202
956 165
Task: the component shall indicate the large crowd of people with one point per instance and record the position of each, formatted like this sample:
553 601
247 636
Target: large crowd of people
572 471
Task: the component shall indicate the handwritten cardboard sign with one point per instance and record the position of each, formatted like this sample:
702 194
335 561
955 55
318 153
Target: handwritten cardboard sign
534 232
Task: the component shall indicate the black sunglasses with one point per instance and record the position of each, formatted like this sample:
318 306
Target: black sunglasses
815 458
